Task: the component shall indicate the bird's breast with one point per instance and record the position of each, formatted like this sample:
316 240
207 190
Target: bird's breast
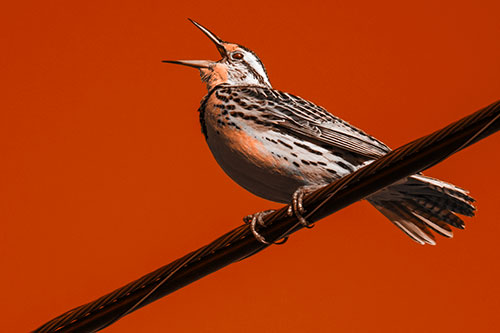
230 134
265 160
239 146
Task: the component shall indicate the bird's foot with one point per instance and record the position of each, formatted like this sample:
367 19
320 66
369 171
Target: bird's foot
296 207
258 218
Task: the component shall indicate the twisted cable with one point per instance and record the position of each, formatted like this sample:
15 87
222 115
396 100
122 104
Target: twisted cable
240 243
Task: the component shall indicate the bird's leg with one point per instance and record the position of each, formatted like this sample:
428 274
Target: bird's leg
296 208
258 217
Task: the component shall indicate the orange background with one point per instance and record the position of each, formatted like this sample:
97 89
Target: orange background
105 175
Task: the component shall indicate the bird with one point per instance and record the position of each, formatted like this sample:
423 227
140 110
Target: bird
280 147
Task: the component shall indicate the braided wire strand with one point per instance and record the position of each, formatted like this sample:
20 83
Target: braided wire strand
239 243
148 281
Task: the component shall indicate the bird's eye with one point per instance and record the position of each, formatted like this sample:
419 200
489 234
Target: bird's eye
237 56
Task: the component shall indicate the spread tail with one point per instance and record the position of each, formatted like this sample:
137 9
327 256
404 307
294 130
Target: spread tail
421 204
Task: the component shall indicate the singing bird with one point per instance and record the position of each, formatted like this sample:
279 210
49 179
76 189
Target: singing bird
279 146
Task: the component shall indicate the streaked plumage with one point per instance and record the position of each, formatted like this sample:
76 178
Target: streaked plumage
273 143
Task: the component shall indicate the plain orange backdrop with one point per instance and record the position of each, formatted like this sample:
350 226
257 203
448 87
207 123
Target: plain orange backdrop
105 175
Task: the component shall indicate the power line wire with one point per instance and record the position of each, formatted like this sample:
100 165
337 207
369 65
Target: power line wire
240 242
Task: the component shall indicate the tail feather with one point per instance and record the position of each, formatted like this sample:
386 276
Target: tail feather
444 214
407 222
433 186
421 204
435 204
438 226
445 200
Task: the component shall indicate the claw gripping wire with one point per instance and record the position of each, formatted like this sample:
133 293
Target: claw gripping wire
241 243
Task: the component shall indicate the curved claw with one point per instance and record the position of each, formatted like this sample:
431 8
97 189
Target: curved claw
253 223
259 218
282 241
296 207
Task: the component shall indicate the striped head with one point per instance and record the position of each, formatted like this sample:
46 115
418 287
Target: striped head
238 66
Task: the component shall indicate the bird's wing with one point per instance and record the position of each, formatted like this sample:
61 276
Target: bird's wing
311 122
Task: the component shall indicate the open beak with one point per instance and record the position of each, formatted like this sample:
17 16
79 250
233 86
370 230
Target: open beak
191 63
202 63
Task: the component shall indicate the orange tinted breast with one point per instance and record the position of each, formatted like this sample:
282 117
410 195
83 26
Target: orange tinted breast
249 146
236 140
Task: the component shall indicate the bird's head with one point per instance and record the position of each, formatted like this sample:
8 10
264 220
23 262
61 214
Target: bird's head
238 66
